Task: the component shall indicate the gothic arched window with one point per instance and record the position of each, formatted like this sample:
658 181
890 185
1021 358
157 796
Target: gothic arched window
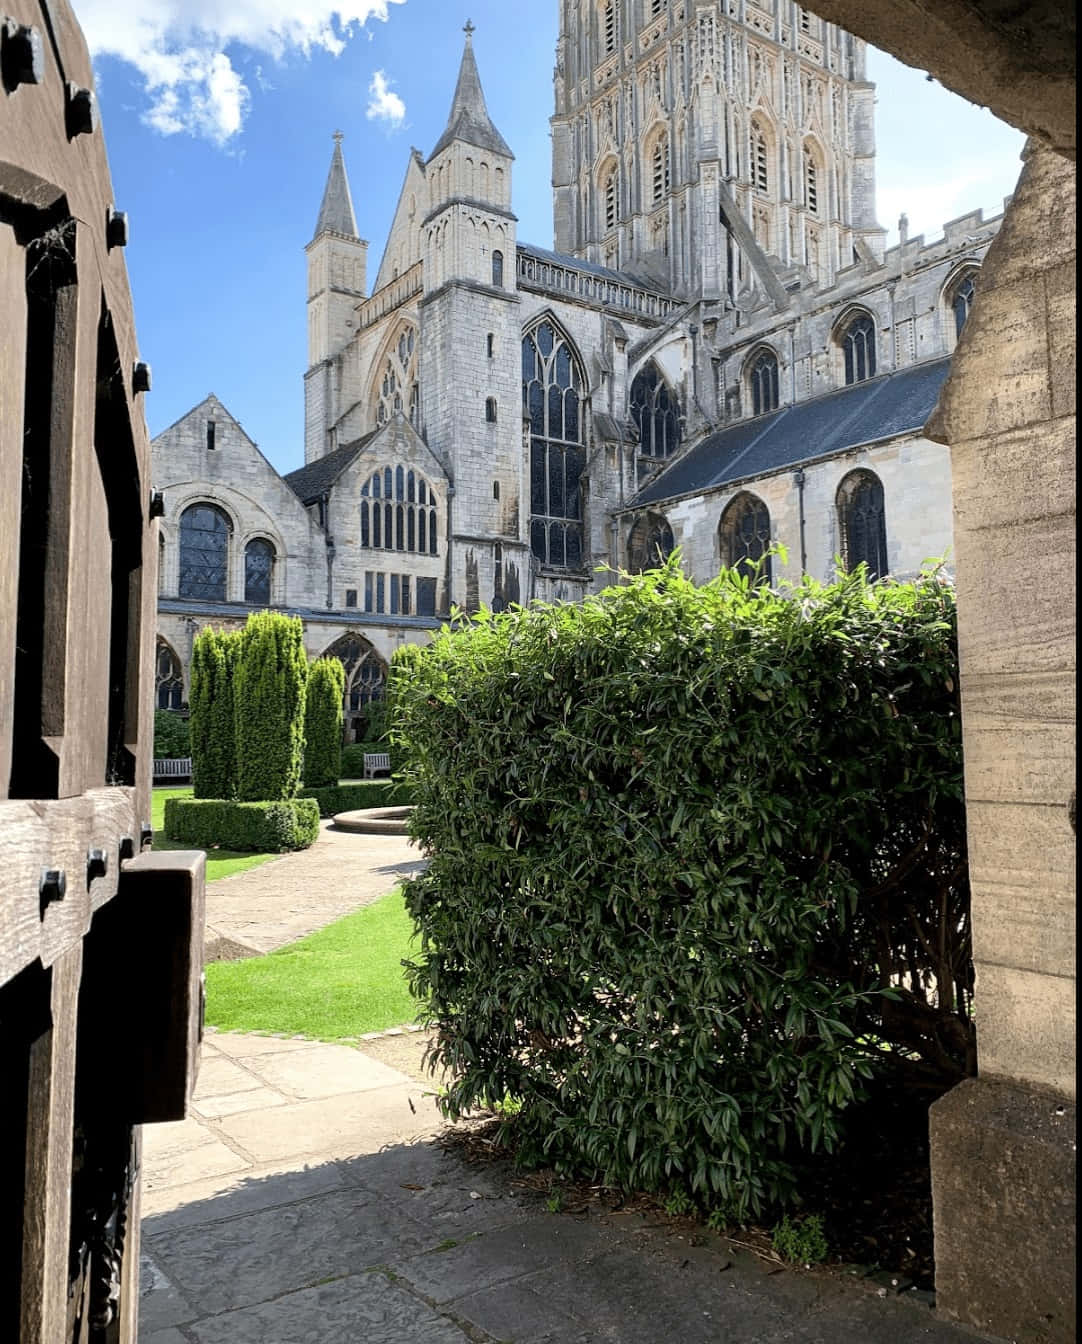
397 387
366 679
760 175
659 168
763 382
962 300
862 522
655 413
258 567
858 349
204 552
497 269
744 534
398 512
552 391
168 679
649 544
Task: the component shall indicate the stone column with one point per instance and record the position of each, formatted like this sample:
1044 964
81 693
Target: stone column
1003 1144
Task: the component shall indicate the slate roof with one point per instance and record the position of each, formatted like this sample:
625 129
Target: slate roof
336 209
309 482
864 413
591 267
469 119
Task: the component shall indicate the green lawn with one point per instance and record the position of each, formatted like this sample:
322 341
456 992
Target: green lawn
220 862
342 980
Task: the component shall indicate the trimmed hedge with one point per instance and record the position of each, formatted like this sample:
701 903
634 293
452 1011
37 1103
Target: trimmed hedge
323 723
269 683
171 735
266 828
697 869
212 723
350 797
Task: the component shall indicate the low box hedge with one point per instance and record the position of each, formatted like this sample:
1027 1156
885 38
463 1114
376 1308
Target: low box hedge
350 797
266 828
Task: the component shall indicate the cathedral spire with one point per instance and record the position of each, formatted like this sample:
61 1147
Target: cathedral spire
469 120
336 211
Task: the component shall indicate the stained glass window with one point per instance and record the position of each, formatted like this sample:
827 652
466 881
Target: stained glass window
397 389
655 413
863 523
650 543
763 380
963 300
258 567
398 512
169 682
204 552
858 348
744 533
552 390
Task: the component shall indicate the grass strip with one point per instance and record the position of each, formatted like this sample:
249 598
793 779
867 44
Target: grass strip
342 980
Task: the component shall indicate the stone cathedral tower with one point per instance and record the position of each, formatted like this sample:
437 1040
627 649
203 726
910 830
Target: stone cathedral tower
713 147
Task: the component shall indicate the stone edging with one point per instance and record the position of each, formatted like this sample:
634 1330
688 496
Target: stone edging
409 1029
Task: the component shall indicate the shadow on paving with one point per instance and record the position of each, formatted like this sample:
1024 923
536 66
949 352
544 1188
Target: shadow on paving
412 1246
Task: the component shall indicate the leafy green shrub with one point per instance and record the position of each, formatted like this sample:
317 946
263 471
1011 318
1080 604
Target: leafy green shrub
212 723
800 1241
323 722
269 683
171 736
266 828
353 754
698 856
351 797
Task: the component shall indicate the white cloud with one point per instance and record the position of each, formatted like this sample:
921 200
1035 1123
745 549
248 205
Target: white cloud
180 48
383 105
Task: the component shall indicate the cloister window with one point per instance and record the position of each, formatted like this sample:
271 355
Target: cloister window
397 389
204 552
552 390
744 534
168 679
398 512
858 349
763 382
655 413
497 269
649 544
862 523
659 168
811 181
962 300
759 158
258 567
366 678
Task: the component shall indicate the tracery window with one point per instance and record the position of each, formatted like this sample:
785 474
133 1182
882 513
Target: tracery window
759 158
398 512
763 382
168 679
366 678
659 168
962 300
649 544
258 567
398 389
862 522
811 181
744 534
552 391
655 413
204 552
858 349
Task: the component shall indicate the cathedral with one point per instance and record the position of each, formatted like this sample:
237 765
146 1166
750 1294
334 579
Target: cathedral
718 354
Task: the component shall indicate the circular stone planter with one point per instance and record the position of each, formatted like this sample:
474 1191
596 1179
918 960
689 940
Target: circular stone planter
375 820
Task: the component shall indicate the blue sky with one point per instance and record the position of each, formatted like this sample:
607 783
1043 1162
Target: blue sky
219 130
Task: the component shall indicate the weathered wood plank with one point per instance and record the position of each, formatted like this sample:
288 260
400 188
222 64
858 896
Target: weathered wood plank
12 378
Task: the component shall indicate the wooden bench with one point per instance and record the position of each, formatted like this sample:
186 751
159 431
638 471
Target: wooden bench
173 767
375 762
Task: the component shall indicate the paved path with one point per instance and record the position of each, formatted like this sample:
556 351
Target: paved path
282 900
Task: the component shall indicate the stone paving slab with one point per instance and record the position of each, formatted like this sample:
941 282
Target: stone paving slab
337 1220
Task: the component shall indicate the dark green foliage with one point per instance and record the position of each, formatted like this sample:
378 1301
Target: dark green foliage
353 755
171 736
351 797
682 840
212 727
800 1241
266 828
323 723
269 697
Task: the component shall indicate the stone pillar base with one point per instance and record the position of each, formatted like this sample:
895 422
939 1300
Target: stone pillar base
1003 1199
